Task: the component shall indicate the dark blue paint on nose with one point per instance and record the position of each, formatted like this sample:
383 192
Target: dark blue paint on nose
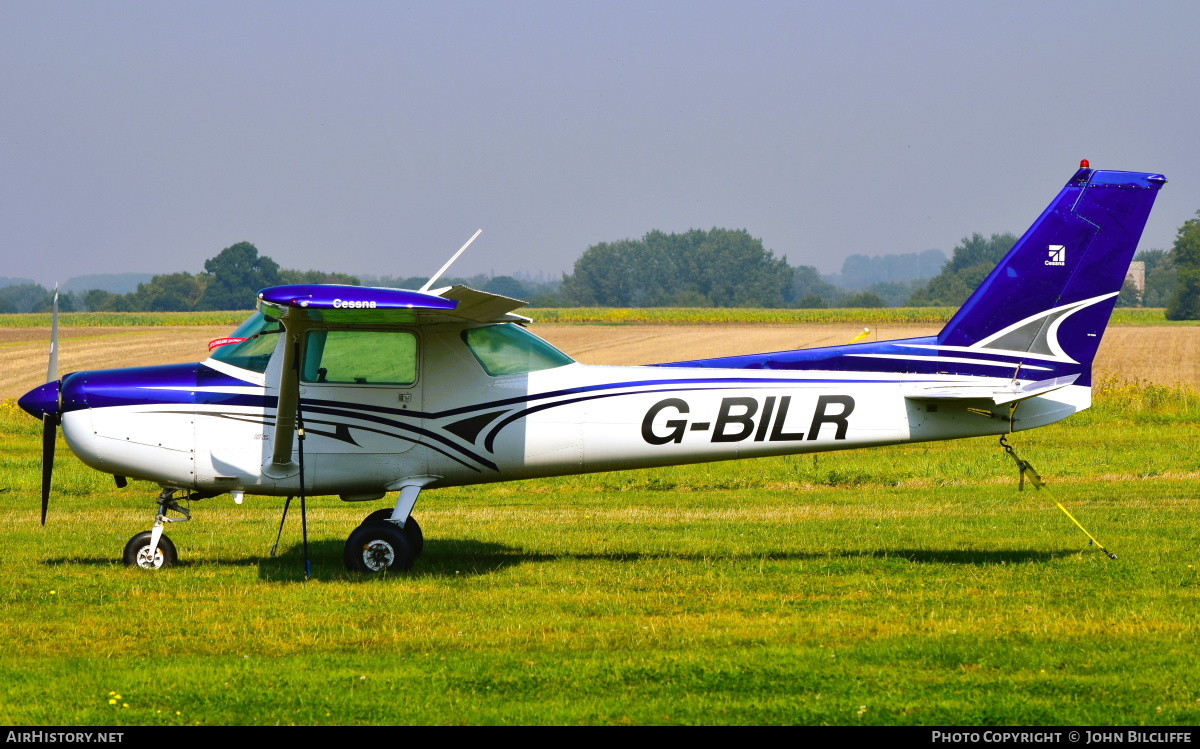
43 399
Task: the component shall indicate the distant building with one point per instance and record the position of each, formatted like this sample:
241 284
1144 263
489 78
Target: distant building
1137 275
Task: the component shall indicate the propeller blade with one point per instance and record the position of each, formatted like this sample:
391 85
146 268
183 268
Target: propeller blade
49 437
44 399
52 367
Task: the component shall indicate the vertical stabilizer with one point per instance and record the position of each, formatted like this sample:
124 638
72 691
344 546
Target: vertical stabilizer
1052 294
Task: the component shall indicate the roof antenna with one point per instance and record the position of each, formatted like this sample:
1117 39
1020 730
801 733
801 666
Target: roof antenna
449 262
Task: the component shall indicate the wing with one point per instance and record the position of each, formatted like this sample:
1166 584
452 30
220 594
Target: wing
308 303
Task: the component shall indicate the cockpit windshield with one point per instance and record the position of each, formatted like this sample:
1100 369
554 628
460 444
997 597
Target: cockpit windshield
253 352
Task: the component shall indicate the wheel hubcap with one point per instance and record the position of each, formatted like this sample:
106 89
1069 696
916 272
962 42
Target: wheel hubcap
378 555
147 561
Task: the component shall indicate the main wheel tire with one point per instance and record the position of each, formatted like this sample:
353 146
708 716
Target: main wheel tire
378 547
412 529
137 552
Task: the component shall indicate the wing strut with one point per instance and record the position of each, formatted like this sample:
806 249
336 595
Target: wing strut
289 402
303 506
289 420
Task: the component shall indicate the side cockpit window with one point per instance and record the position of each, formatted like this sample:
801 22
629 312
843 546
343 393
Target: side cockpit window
251 344
507 349
360 357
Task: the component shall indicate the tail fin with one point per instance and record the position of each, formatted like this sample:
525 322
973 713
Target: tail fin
1052 294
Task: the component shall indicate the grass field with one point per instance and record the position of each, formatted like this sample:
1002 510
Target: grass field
906 585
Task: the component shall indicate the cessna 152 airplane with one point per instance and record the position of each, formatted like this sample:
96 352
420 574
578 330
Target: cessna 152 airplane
360 392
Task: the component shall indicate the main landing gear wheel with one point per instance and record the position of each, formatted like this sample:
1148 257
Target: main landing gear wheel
416 539
378 546
137 552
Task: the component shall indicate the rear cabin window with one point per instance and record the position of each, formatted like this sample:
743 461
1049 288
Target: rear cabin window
507 349
254 353
360 357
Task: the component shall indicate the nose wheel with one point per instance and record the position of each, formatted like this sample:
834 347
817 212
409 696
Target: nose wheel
152 550
141 551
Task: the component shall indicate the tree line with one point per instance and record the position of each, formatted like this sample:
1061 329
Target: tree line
697 268
1172 277
230 281
723 268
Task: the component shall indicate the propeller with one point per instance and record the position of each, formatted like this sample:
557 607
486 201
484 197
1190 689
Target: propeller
44 403
50 419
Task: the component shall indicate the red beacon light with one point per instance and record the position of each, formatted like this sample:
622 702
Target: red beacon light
1085 164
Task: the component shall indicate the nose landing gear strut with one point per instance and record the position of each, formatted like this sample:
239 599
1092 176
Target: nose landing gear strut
152 550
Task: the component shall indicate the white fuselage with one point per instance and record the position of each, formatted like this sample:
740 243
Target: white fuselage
459 425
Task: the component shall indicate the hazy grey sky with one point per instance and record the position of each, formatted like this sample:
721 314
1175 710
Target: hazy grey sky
375 137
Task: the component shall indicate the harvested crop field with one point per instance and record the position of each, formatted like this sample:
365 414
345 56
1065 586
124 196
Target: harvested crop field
23 351
1154 354
1165 355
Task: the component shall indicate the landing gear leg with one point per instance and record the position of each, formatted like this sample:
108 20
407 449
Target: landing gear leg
152 550
387 539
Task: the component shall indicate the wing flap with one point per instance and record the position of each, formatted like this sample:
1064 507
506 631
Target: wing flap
481 306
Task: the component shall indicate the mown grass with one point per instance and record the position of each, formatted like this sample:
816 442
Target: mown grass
903 585
590 315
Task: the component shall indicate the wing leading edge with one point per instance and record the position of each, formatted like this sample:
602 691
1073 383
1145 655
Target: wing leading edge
305 304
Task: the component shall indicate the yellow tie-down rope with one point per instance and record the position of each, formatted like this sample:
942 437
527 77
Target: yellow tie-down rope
1027 470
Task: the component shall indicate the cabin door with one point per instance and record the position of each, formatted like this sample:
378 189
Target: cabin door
360 392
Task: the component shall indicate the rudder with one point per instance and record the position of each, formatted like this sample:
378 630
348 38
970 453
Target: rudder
1052 294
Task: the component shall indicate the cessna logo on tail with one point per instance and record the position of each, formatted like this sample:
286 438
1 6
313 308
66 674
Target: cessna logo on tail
736 420
1058 255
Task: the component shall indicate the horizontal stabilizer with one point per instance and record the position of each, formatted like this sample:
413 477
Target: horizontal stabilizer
989 392
1034 389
